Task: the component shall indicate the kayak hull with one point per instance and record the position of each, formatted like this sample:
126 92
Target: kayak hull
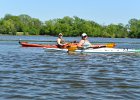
55 50
108 50
26 44
97 50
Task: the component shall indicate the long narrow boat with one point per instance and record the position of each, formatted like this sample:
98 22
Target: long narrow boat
98 50
26 44
108 50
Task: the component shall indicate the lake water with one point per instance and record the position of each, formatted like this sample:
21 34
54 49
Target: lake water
33 74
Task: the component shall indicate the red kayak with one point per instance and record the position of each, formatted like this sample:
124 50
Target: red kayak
26 44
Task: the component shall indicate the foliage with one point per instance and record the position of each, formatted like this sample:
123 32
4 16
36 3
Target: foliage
69 26
134 27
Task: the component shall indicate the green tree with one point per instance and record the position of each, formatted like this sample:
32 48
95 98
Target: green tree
134 27
8 27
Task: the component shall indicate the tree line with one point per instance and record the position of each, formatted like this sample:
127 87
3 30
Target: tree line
69 26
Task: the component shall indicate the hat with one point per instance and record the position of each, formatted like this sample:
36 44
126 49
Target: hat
84 34
60 34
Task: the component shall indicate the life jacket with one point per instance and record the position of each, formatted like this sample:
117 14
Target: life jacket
62 42
86 44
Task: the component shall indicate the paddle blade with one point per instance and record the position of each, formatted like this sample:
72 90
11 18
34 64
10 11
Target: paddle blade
110 45
72 47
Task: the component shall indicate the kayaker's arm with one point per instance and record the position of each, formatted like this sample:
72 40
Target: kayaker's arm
80 44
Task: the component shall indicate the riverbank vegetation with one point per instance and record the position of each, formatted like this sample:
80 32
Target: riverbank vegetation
69 26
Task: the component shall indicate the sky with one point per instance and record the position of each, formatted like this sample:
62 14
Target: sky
103 12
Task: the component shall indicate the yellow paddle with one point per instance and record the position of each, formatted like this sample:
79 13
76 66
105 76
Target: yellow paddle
72 48
110 45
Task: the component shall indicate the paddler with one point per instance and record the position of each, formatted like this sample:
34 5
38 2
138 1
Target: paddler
60 41
84 42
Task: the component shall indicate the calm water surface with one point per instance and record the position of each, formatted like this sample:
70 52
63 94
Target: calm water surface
33 74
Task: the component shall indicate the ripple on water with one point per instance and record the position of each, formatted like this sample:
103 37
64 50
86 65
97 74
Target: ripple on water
28 74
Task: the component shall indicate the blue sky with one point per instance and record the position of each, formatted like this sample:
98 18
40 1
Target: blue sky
101 11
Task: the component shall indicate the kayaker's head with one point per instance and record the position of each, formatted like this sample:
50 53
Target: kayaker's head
84 36
60 35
